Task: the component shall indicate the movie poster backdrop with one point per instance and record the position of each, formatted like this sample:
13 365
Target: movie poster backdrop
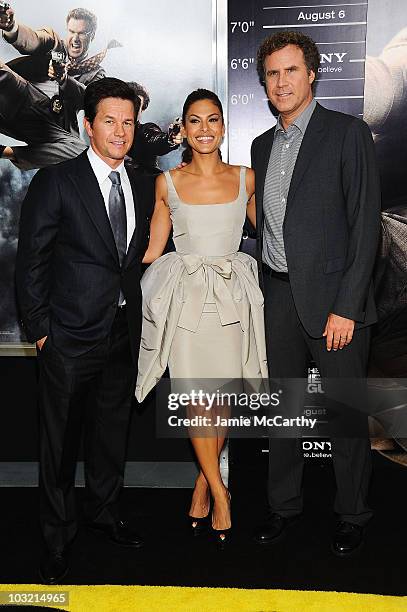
162 45
385 109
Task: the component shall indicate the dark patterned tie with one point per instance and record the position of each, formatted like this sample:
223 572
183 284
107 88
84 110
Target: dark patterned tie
117 215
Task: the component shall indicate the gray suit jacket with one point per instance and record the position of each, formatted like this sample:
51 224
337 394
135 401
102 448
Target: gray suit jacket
332 221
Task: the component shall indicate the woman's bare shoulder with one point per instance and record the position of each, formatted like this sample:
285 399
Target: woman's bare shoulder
178 174
236 168
250 181
161 187
160 180
232 169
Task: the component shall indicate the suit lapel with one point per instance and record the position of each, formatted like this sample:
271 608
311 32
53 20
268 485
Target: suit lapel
309 146
261 170
91 196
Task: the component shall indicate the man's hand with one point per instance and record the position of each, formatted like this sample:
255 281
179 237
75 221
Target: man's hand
40 342
174 132
57 72
6 19
338 332
177 139
7 153
180 166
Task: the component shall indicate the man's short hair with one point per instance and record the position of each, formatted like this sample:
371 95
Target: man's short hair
282 39
108 87
88 16
140 91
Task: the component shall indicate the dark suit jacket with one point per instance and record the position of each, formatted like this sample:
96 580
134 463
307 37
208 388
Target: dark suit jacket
68 273
332 221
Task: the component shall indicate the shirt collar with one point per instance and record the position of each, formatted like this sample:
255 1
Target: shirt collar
301 122
102 169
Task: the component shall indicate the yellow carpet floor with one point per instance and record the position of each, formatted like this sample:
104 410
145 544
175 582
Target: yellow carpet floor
186 599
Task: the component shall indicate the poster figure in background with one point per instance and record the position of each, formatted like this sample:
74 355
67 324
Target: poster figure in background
150 141
318 220
385 109
42 90
385 112
83 233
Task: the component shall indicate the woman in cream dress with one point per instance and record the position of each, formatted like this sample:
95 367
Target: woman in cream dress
202 306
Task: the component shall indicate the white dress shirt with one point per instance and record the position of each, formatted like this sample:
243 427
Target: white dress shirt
102 171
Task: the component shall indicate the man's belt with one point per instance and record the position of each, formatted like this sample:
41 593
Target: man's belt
284 276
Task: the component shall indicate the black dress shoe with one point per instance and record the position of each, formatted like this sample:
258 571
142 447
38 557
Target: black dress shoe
348 538
273 529
222 537
199 525
53 567
119 533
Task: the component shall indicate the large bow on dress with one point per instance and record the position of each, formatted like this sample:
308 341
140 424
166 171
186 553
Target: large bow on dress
201 272
174 295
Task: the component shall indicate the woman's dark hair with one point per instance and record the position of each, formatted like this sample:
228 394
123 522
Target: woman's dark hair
108 87
282 39
196 96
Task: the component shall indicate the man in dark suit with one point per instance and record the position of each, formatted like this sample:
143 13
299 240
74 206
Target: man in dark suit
83 233
318 205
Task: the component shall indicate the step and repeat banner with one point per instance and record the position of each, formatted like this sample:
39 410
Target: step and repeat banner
340 33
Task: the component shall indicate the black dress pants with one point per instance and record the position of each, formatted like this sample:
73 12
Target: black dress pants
289 351
93 390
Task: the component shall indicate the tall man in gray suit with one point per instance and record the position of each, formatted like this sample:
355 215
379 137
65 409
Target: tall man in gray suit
318 220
